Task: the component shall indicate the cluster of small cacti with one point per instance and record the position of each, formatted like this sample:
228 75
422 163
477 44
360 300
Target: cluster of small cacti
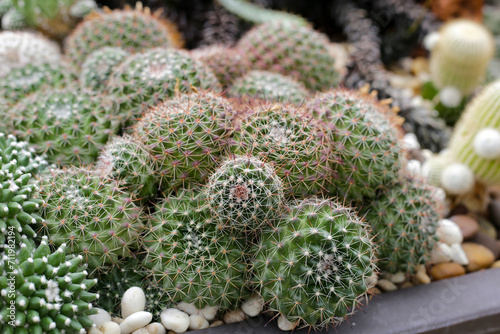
209 175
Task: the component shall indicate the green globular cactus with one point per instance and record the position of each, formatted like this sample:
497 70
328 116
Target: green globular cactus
134 30
268 86
404 221
187 137
18 208
475 141
50 292
127 160
144 80
97 67
245 194
13 20
157 299
291 141
369 142
189 259
314 266
226 63
32 78
292 50
89 214
461 55
113 282
20 48
70 127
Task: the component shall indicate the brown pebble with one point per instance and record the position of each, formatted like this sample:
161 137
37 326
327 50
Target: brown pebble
468 225
487 227
488 242
406 285
479 256
494 212
374 291
447 270
496 264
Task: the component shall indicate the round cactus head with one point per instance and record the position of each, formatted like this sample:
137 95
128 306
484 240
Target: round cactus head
127 160
51 291
189 259
404 221
89 214
134 30
18 49
97 67
18 208
69 127
293 50
369 142
145 80
289 139
315 266
268 86
245 194
187 137
461 55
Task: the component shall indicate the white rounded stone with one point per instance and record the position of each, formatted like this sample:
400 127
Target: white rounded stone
431 40
94 330
414 167
156 328
450 96
458 255
100 317
421 275
142 330
449 232
441 253
410 141
209 312
457 179
253 305
174 319
386 285
110 327
188 308
234 316
135 321
197 321
217 323
398 277
487 143
284 324
133 301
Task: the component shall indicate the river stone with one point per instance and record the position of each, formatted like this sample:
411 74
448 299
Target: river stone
488 242
468 225
479 256
446 270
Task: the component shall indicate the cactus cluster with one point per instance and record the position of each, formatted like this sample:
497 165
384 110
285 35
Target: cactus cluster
18 207
90 215
314 266
292 50
146 79
48 291
134 30
70 128
268 86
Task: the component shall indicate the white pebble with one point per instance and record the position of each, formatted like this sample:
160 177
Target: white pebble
398 277
441 253
386 285
133 301
450 96
431 40
142 330
135 321
156 328
217 323
458 255
457 179
422 276
414 167
209 312
188 308
100 317
410 141
234 316
94 330
284 324
487 143
174 319
253 305
449 232
196 321
110 327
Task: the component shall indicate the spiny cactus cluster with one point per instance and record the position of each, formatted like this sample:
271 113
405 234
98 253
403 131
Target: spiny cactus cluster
49 292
